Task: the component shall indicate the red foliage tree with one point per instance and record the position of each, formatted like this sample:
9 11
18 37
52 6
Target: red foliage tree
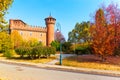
59 36
102 36
113 18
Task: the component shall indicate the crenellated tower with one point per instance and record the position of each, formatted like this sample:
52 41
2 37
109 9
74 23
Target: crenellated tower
50 22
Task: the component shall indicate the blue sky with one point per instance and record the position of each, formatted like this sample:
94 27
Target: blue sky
66 12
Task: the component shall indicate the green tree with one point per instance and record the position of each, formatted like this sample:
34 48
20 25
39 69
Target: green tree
80 33
56 45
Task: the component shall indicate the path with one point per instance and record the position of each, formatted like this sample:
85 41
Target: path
16 72
58 57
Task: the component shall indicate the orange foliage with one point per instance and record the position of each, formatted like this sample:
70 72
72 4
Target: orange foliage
102 35
105 32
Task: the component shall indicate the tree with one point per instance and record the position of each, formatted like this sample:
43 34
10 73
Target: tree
16 38
113 18
56 45
80 33
5 42
59 36
102 37
4 5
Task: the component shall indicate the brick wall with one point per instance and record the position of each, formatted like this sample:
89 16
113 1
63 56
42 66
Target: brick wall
27 32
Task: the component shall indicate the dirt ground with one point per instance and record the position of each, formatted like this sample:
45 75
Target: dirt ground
94 58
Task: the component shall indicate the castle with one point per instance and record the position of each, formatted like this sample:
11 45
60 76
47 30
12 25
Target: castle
42 34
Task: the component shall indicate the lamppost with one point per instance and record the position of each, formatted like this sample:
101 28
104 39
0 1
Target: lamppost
59 31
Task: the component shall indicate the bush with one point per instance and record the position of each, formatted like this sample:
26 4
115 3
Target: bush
34 52
66 47
21 51
83 49
38 50
28 52
51 50
8 53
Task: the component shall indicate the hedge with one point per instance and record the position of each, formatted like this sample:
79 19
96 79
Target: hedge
35 52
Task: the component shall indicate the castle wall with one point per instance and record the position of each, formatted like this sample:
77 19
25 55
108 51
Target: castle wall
27 32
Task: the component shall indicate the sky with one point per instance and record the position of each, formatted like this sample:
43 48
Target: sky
66 12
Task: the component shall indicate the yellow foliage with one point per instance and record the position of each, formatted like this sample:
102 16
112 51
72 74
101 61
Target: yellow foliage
16 38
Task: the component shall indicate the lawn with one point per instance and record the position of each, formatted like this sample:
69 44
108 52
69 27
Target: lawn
93 62
26 59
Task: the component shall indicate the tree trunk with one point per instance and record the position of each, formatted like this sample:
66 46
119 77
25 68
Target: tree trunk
103 58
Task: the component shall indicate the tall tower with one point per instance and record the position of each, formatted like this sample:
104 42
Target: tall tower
50 22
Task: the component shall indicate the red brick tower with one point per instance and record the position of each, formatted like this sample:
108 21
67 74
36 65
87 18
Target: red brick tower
50 22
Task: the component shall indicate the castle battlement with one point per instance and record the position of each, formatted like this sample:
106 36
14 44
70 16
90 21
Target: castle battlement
20 25
42 34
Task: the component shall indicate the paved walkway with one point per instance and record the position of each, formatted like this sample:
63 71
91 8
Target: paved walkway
20 72
63 68
58 58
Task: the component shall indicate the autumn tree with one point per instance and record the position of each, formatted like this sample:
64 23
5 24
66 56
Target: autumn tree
5 41
113 19
102 35
16 39
59 36
4 6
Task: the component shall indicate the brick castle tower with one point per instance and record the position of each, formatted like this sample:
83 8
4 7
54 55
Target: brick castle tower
42 34
50 22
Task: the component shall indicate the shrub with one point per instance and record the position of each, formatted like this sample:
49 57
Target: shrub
28 52
51 50
66 47
8 53
21 51
38 50
83 49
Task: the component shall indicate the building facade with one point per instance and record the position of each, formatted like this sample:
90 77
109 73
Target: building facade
42 34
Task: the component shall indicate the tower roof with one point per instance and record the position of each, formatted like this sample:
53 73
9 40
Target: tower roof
50 17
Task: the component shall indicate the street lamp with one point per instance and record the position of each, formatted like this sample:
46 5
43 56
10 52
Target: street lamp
59 31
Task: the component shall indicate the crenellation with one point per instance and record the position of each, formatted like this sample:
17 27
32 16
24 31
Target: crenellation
44 34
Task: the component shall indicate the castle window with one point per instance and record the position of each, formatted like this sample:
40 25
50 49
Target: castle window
30 33
21 33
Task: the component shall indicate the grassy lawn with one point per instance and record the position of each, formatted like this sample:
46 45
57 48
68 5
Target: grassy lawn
25 59
93 62
3 79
